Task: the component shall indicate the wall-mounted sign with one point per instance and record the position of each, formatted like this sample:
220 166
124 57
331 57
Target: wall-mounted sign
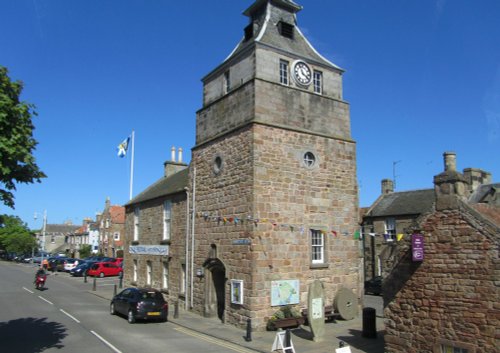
148 249
417 247
237 291
241 242
285 292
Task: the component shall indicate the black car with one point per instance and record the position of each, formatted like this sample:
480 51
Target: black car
56 264
374 286
81 269
140 303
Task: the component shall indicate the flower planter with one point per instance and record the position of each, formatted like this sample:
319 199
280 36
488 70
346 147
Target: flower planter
287 322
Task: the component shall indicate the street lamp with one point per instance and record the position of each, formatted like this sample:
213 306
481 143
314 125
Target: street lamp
44 227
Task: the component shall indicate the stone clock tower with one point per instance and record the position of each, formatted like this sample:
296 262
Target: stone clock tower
274 169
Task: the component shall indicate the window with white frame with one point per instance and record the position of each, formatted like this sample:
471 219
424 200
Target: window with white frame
318 82
390 229
165 276
135 271
137 213
149 272
183 279
167 219
116 236
284 72
317 247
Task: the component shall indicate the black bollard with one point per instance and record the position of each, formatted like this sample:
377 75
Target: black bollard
248 337
369 323
114 290
94 285
288 340
85 278
176 310
120 283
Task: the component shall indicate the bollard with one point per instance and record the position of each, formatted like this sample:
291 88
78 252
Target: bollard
120 283
94 285
114 289
288 340
85 277
248 337
369 323
176 310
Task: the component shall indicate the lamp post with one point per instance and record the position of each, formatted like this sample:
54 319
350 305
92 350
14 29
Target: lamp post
44 227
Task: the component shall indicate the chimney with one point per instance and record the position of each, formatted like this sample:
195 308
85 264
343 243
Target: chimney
171 167
387 186
450 186
108 203
476 177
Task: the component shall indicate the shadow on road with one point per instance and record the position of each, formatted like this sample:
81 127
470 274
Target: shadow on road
31 335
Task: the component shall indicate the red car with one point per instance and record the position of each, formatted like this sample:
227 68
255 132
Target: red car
116 260
103 269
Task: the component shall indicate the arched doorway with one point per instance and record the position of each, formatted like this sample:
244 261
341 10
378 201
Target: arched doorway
215 288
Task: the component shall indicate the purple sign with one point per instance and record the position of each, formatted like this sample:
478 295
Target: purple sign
417 247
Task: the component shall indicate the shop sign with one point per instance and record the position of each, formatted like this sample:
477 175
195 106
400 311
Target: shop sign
149 249
417 247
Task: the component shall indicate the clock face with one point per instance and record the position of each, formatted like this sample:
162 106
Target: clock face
302 73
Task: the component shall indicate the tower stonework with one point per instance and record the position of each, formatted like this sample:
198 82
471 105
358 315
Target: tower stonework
274 173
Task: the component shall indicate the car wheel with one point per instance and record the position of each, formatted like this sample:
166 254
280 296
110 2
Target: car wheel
101 275
130 317
112 310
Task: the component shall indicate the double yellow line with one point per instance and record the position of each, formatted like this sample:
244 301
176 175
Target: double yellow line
216 341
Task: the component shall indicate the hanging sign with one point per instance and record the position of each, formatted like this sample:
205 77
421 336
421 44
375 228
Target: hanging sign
417 247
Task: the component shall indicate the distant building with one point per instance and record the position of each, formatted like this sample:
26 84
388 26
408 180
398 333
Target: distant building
441 295
111 223
56 237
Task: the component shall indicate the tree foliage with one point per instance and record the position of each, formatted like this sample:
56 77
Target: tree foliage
15 236
85 251
17 163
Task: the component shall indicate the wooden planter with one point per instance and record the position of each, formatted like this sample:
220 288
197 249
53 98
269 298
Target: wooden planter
288 322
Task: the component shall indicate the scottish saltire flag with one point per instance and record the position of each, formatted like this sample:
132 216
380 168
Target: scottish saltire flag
122 147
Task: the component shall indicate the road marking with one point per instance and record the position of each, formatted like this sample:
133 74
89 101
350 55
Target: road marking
216 341
106 342
45 300
69 315
26 289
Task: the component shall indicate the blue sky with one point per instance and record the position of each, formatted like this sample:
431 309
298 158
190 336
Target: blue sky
422 77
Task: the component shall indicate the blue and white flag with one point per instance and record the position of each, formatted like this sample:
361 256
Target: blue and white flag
123 147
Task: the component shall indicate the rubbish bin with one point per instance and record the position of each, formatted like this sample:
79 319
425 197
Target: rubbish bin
369 323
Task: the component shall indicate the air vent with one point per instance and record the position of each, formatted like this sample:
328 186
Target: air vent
249 31
285 29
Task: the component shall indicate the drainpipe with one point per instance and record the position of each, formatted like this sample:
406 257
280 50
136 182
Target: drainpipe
193 210
187 248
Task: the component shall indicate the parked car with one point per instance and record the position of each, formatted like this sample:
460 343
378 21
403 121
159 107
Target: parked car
140 304
116 260
56 264
374 286
81 269
103 269
70 264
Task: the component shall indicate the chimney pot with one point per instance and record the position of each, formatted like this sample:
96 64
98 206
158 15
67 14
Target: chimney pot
450 161
180 155
172 154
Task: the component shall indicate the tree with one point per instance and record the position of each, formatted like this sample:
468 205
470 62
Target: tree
17 163
85 251
15 236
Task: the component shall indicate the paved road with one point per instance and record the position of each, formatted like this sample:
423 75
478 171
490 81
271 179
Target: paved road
65 317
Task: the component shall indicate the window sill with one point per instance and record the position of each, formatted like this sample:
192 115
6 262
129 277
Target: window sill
313 266
135 242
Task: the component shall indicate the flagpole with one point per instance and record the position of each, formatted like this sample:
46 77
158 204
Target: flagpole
132 165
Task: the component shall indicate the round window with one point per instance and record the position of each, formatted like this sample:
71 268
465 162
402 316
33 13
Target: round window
309 159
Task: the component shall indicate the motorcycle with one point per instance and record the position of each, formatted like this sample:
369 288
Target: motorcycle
40 281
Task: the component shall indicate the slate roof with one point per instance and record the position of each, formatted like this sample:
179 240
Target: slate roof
163 187
403 203
483 191
60 228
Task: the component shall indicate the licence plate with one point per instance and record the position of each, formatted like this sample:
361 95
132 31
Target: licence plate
154 313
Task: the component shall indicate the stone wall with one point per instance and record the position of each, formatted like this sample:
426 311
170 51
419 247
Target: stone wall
452 296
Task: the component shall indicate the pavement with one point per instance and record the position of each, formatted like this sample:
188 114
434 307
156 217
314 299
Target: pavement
349 332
